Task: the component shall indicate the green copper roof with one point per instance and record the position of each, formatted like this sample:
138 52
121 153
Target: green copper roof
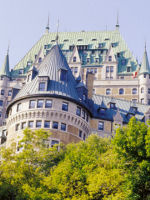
92 41
145 68
5 67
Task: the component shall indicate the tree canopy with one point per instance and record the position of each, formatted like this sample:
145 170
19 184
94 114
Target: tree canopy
95 169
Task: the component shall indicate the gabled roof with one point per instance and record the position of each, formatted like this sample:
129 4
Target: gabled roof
145 68
5 67
50 67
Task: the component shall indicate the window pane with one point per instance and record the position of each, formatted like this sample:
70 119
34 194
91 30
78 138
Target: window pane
38 124
134 91
2 92
78 111
30 124
18 107
48 103
121 91
80 133
9 93
108 91
83 114
55 125
32 104
63 127
101 126
65 106
40 103
17 127
111 68
23 125
142 90
107 69
110 58
46 124
42 86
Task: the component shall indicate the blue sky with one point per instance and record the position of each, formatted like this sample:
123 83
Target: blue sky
22 22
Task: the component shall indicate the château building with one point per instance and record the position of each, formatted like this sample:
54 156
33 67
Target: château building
83 83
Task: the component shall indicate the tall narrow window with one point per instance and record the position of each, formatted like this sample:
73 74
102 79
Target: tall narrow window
74 59
18 107
30 124
100 126
110 58
63 127
78 111
23 125
38 124
121 91
9 92
142 90
80 133
2 92
32 104
55 125
65 106
134 91
48 103
40 103
142 100
46 124
42 86
108 91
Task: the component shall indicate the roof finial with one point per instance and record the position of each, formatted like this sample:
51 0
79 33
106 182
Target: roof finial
8 50
145 46
47 27
117 24
57 37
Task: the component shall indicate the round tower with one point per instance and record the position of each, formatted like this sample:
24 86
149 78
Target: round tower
144 80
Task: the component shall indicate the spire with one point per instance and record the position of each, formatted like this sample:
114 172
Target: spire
47 27
117 24
145 68
5 67
57 37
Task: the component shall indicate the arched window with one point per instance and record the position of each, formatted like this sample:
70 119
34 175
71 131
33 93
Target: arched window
121 91
134 91
142 90
108 91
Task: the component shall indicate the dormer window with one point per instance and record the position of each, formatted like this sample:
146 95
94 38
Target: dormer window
88 60
42 86
74 59
63 75
112 105
144 75
128 69
110 58
20 71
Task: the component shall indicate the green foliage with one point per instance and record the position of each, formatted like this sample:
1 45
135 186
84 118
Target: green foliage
97 169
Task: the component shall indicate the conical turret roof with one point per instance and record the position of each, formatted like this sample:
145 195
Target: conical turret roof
5 67
52 66
145 68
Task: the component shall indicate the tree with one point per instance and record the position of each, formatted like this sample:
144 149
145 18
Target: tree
132 144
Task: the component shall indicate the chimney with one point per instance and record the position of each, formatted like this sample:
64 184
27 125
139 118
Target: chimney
89 84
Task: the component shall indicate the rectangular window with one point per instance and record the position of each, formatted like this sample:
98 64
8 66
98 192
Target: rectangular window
65 106
112 105
18 107
111 68
78 111
9 93
23 125
110 58
38 124
100 126
128 69
134 100
48 103
30 124
76 70
53 142
2 92
148 101
42 86
87 117
63 127
32 104
142 101
46 124
17 127
83 114
55 125
80 133
1 103
95 70
107 69
144 75
40 103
